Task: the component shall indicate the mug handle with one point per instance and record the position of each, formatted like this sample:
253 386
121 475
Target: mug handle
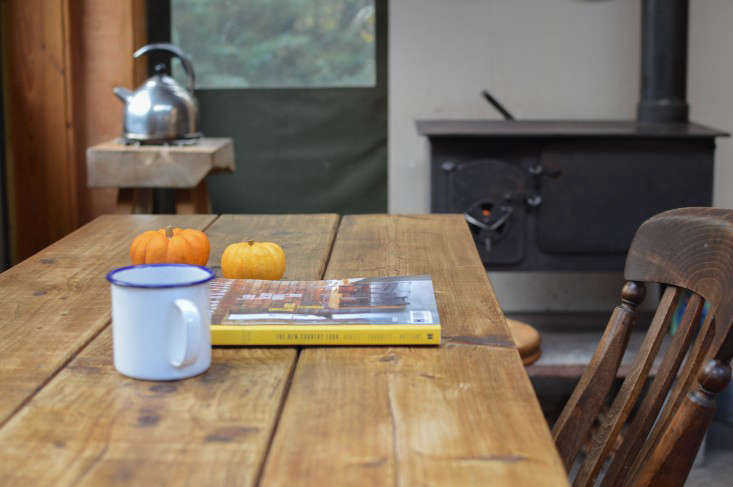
191 333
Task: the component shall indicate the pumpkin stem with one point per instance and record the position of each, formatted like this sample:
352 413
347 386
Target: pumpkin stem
169 231
251 242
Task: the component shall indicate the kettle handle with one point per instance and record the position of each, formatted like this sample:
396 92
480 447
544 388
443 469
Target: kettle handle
176 51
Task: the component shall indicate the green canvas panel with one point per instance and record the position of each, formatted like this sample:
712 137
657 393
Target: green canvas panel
299 150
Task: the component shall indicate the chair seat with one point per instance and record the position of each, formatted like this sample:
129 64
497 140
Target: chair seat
527 340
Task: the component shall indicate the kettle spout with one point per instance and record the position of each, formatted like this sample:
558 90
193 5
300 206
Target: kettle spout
122 93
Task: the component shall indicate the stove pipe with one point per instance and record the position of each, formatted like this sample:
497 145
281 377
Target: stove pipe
663 61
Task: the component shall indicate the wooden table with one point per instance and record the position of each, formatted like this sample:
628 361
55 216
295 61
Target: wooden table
460 414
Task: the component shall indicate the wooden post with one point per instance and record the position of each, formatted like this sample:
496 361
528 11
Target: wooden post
42 182
194 200
106 33
62 60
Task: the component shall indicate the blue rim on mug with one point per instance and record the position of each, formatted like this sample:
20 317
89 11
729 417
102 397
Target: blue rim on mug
116 282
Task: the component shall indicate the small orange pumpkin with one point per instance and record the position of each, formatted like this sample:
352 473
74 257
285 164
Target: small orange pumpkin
253 260
172 245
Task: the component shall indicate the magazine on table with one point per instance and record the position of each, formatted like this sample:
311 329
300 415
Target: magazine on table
357 311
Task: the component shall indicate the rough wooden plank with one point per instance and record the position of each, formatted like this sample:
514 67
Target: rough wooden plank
57 300
440 245
455 415
91 425
306 239
114 164
461 414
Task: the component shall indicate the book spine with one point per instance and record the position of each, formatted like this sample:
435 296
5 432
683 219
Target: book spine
327 335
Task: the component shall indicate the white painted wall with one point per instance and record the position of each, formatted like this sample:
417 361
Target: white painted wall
710 83
541 59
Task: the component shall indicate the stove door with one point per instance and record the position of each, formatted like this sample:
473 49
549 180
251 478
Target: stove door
491 192
606 190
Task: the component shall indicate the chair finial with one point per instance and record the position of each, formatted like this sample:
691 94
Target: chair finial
632 294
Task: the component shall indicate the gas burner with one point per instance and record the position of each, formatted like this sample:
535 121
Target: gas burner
172 142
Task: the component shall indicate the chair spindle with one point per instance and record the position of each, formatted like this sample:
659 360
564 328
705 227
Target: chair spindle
654 398
672 458
630 390
589 396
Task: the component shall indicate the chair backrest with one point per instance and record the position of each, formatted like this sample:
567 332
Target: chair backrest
690 252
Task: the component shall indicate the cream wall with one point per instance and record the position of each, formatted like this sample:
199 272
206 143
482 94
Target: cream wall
541 59
710 87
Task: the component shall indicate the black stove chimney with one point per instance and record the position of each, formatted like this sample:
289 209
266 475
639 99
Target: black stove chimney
663 61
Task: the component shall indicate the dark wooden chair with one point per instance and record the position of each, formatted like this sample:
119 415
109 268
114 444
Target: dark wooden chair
686 249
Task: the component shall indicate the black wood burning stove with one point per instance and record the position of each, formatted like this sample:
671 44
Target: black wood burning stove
569 195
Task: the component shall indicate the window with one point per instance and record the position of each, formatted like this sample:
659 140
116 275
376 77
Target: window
277 43
301 88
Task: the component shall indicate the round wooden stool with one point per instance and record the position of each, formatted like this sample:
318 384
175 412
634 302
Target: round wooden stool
527 340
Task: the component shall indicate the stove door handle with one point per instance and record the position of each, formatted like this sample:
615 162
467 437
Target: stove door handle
476 223
508 210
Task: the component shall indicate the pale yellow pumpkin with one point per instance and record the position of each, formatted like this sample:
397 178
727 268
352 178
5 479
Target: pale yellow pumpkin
253 260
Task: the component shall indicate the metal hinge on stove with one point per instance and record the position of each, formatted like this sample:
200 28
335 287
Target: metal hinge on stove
538 171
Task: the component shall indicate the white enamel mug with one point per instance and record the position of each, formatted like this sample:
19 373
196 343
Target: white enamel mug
160 320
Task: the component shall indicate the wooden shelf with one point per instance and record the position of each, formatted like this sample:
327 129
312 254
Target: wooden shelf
116 165
138 169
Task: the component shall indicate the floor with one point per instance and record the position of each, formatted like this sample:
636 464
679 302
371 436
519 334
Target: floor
715 468
568 342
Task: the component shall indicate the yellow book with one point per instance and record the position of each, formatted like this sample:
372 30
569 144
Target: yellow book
357 311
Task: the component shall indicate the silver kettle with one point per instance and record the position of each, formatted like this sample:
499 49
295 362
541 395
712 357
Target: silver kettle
161 110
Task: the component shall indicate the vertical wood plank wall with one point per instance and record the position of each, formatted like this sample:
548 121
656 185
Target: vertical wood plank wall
107 32
42 197
61 60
